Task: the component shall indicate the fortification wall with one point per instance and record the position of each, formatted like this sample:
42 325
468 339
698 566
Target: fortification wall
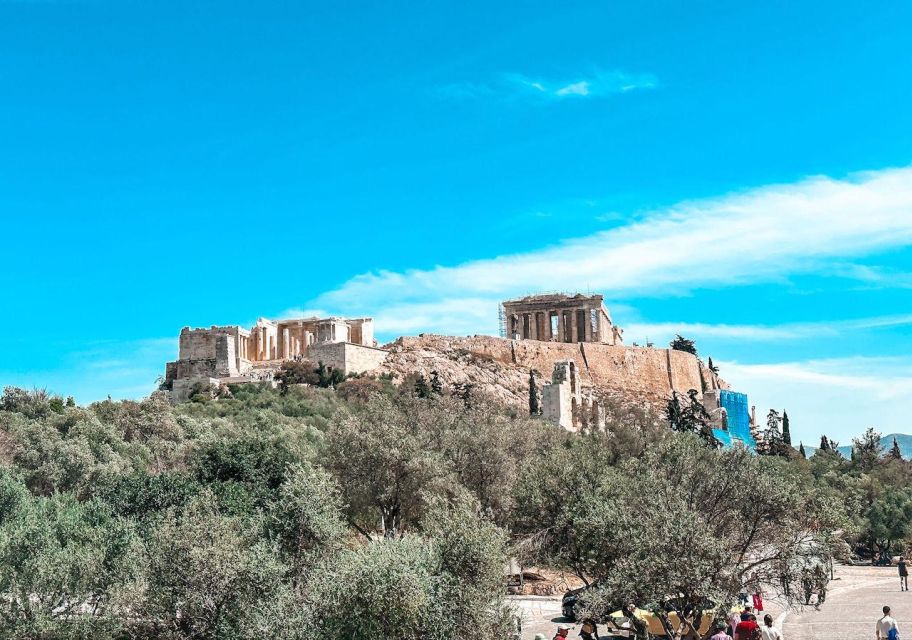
197 344
541 356
350 358
502 365
225 357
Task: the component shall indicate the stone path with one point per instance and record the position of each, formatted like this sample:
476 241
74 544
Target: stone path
854 602
541 614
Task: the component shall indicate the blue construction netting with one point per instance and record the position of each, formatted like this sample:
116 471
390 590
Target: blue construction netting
736 409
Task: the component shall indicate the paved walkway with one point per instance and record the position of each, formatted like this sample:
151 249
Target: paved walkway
854 602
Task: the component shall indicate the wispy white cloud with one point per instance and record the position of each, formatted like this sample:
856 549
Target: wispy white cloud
761 235
455 316
299 312
580 88
875 276
761 333
599 83
884 377
839 397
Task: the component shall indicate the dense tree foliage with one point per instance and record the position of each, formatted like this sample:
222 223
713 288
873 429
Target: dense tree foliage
681 518
370 510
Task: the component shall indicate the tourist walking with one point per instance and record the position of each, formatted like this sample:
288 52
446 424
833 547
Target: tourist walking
748 629
720 634
562 631
903 574
589 630
735 618
821 578
768 631
886 627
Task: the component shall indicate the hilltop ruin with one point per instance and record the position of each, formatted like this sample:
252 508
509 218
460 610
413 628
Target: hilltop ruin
234 355
568 343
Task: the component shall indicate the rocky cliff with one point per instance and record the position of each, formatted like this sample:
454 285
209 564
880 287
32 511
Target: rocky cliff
501 367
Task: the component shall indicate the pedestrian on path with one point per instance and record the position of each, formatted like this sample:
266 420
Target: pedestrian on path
903 574
748 629
886 628
719 628
736 618
768 631
563 631
589 630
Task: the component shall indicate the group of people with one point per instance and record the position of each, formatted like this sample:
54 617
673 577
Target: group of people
744 626
589 628
741 626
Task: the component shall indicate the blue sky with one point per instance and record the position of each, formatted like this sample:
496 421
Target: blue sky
738 172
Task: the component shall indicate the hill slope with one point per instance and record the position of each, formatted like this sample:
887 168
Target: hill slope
886 443
500 367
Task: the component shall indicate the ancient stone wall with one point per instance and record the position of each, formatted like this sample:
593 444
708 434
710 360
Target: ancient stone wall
359 358
350 358
193 368
541 356
225 356
501 365
197 344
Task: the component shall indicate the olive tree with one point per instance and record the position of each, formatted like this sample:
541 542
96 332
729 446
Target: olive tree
62 564
444 582
682 519
889 519
384 457
307 516
207 574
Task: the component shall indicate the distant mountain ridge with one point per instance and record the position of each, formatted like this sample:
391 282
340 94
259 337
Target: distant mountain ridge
886 443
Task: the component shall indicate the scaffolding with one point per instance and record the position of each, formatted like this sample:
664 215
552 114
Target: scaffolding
501 321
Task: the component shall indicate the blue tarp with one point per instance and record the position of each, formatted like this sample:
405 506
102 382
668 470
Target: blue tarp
735 405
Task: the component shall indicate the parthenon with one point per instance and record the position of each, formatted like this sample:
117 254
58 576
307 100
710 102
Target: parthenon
560 318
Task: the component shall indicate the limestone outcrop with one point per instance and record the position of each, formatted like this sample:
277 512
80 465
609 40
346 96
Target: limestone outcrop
500 366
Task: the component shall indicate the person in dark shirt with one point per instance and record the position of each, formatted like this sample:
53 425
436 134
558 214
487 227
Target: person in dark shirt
589 630
903 574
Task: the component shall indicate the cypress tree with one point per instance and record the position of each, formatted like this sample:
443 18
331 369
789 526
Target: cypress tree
422 390
436 384
895 452
534 408
824 443
802 451
786 434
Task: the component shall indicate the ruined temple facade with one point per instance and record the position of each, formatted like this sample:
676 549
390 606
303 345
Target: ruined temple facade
560 318
565 402
234 354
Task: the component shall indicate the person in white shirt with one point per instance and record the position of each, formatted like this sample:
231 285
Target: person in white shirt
885 625
768 631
